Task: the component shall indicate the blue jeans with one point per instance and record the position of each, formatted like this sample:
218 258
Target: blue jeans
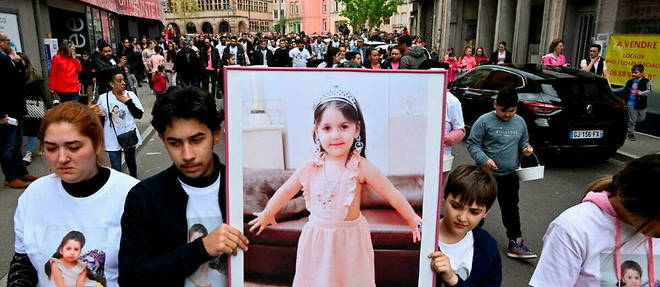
31 144
115 160
65 97
11 158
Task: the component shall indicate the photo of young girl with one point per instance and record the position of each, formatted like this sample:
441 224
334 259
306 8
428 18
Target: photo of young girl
335 247
631 274
66 268
211 273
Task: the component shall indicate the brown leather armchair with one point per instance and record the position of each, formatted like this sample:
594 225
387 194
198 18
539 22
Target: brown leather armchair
271 258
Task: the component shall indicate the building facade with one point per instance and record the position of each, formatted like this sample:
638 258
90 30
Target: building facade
529 26
223 16
32 24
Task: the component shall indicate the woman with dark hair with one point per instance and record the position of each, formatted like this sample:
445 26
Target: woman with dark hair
331 59
618 219
121 108
373 59
394 59
80 195
501 55
170 54
64 73
555 56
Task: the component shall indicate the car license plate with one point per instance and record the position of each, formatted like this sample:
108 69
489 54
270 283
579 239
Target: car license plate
587 134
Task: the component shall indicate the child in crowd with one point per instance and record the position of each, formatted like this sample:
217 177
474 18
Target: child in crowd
467 254
335 246
631 274
636 93
159 81
65 269
132 80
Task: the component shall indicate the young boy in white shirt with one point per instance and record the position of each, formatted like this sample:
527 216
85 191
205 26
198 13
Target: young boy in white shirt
467 255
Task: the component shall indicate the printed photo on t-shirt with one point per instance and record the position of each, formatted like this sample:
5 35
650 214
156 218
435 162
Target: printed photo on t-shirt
73 264
214 272
634 271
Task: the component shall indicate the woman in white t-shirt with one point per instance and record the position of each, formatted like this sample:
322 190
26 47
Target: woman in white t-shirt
595 243
120 109
80 198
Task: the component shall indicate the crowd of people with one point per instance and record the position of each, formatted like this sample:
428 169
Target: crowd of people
96 107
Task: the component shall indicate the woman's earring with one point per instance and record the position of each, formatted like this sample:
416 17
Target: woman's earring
358 143
317 148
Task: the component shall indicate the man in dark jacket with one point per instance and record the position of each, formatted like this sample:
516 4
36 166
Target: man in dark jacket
413 57
12 110
281 56
188 66
175 221
501 55
237 50
262 56
212 64
106 66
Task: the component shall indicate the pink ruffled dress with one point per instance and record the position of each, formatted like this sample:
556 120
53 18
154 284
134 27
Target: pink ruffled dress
331 250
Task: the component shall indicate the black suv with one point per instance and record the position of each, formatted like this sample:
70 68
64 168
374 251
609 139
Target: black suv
566 110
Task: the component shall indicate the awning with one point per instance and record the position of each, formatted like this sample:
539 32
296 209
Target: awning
149 9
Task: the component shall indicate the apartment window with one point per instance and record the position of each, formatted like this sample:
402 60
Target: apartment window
325 6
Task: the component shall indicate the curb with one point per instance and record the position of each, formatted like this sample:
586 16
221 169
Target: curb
624 156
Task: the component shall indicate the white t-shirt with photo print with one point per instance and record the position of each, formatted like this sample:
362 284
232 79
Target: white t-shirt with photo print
578 250
46 213
203 216
120 116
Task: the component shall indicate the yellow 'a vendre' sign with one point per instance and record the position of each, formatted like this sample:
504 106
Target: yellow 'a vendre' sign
626 50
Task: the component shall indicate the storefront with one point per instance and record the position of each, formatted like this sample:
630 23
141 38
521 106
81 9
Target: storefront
87 21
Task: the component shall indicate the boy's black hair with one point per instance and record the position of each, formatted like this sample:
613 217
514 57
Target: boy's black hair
638 68
185 103
405 39
507 98
471 184
595 46
350 56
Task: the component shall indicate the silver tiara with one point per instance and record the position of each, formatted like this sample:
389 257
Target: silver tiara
337 94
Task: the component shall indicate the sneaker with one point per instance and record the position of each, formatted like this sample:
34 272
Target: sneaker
16 183
518 249
28 157
28 177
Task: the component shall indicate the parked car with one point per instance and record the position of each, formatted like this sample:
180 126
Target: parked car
566 110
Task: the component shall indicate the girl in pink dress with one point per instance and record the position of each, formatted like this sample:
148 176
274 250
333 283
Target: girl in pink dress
335 246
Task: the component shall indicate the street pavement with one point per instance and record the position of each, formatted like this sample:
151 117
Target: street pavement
540 201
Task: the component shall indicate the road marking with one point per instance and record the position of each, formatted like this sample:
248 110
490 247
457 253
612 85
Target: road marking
153 153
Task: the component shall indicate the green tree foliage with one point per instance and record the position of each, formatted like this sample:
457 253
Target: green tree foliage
368 13
184 9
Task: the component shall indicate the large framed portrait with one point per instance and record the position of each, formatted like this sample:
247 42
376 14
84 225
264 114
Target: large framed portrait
332 170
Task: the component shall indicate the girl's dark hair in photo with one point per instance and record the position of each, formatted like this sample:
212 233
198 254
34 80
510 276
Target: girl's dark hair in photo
350 114
199 228
330 57
72 235
185 103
